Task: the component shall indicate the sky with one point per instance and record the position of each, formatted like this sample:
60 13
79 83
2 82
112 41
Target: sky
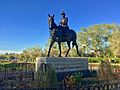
24 23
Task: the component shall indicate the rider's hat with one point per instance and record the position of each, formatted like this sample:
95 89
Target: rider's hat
63 13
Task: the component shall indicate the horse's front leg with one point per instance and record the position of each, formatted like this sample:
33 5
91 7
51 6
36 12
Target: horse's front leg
68 43
59 44
51 43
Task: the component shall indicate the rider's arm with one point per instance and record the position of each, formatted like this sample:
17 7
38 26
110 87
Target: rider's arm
67 19
61 22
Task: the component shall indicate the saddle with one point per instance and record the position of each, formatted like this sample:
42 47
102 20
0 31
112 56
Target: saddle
64 32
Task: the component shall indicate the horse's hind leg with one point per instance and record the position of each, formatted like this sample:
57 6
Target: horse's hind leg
68 43
77 48
52 42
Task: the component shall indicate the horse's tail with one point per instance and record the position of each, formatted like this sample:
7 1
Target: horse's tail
73 44
74 39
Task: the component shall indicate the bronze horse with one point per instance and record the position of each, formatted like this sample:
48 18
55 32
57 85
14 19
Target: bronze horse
56 36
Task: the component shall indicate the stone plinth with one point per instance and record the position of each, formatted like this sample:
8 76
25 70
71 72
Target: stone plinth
64 64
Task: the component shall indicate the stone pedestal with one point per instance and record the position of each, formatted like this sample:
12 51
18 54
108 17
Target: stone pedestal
64 64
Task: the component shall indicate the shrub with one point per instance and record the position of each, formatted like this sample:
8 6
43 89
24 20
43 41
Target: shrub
115 60
94 60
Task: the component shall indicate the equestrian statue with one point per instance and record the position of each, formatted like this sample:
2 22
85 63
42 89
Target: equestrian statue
61 33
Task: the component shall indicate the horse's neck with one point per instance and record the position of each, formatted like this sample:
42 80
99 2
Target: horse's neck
54 24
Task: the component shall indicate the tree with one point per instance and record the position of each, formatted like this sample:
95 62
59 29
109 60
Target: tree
31 53
95 37
115 42
2 57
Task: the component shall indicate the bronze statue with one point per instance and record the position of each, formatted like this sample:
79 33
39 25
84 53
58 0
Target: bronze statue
56 36
64 24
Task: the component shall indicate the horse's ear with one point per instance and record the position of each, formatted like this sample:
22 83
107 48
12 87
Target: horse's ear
48 15
53 15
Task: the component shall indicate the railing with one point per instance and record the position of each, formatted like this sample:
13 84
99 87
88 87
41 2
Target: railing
19 79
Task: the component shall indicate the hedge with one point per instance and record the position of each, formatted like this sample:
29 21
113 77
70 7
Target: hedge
97 60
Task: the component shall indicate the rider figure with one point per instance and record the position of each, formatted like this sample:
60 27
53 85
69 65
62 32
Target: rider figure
64 24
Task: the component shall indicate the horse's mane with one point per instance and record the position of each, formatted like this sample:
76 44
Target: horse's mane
54 24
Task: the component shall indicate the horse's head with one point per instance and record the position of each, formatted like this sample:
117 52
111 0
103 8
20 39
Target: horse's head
52 25
51 22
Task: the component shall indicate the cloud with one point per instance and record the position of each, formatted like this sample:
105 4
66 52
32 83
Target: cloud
9 51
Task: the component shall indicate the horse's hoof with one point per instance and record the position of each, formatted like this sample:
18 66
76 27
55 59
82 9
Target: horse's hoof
59 55
65 55
79 55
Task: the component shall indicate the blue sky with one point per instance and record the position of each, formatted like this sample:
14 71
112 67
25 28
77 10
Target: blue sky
24 23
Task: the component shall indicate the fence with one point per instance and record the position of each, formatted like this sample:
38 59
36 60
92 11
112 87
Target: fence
21 77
